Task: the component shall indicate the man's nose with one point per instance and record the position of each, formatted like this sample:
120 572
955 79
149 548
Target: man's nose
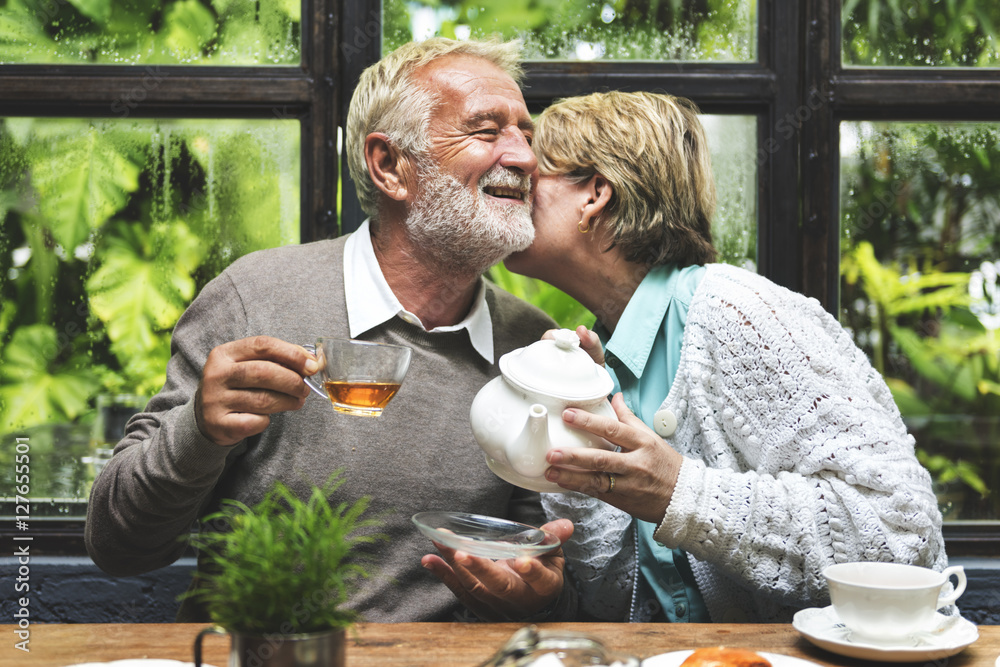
517 153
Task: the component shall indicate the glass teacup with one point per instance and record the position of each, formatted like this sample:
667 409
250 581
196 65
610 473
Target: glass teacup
358 377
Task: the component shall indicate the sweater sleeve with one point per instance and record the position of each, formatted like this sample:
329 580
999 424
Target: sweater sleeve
796 455
162 473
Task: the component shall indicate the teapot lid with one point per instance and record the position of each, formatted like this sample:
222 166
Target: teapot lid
557 367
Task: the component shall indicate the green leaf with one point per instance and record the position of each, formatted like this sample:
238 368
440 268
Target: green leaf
81 180
31 393
292 9
955 377
143 284
22 38
263 561
190 26
988 387
907 399
98 10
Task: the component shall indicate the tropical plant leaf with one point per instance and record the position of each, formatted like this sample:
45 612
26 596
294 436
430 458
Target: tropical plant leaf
143 284
292 9
190 26
21 34
32 393
907 399
96 10
956 377
943 299
82 180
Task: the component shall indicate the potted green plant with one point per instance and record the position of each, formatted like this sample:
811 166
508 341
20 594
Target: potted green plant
275 576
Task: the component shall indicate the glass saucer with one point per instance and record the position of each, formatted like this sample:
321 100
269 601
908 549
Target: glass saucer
484 536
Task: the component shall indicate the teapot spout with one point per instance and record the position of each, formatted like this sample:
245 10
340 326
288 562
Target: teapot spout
526 453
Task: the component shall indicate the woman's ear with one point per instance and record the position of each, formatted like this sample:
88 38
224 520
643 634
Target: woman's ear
391 171
598 195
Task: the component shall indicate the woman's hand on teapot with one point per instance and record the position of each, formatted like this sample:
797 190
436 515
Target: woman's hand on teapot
589 343
639 479
503 590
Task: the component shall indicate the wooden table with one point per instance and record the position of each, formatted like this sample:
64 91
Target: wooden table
438 644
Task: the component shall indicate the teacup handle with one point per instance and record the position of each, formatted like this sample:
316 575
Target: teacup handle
309 378
959 573
210 630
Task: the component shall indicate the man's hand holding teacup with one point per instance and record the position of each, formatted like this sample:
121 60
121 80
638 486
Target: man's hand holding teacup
246 381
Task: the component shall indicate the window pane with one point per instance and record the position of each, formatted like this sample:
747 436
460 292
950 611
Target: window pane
718 30
918 33
920 243
169 32
107 232
733 143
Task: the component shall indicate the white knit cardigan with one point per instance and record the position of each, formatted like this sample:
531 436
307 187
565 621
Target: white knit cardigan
795 458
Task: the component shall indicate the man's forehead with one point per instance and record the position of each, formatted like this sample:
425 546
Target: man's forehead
464 75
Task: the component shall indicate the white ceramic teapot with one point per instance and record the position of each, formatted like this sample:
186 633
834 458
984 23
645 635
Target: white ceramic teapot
517 417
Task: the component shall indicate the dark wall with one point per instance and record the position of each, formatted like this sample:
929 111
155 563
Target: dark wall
71 589
74 590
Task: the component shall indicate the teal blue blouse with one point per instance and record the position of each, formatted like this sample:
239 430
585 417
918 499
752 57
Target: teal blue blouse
642 357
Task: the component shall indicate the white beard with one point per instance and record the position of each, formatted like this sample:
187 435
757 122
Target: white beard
465 233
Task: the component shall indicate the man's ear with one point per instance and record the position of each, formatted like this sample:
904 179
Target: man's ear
391 171
599 193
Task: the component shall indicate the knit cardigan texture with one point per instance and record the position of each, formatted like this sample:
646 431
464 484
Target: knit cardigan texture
419 455
795 458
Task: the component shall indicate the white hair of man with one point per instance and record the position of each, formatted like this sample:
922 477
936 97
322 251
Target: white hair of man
386 100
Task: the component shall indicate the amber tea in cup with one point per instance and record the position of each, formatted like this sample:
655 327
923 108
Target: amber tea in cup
358 377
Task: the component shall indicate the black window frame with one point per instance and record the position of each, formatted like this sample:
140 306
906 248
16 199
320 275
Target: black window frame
798 82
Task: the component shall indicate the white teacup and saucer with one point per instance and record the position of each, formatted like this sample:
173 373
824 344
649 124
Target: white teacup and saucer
888 612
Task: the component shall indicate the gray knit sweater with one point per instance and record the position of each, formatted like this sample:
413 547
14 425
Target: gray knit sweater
419 455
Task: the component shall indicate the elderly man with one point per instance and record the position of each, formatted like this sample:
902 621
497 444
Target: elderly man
439 143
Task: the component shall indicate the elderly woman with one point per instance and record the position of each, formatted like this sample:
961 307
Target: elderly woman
757 445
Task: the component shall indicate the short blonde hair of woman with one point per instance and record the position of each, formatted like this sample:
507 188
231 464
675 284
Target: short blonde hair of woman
386 100
652 150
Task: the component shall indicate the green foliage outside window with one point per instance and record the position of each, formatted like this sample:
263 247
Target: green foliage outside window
107 232
921 236
723 30
921 33
137 32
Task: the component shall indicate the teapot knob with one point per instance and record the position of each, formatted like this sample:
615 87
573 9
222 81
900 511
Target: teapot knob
566 339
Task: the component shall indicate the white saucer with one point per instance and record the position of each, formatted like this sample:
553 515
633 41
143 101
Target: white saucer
948 636
675 658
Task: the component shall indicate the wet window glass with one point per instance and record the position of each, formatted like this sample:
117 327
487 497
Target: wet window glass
137 32
108 229
920 291
921 33
733 145
716 30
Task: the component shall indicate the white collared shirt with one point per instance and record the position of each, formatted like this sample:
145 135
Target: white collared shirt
370 301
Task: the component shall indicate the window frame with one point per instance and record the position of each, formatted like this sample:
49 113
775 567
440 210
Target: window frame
798 81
